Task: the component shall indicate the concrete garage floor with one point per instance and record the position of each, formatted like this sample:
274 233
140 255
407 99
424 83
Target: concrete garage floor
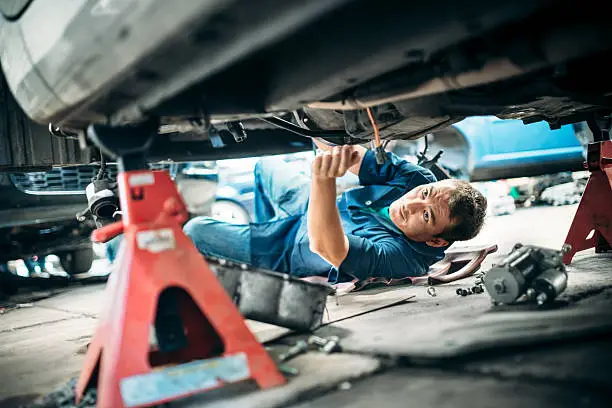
442 351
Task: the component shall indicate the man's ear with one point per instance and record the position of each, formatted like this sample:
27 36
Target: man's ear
437 242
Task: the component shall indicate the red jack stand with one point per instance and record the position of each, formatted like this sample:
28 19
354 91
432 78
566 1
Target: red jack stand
157 262
592 225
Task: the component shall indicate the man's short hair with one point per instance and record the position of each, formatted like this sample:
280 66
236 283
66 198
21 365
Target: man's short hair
468 208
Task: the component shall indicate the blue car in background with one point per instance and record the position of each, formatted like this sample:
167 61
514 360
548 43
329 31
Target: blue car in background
483 148
478 148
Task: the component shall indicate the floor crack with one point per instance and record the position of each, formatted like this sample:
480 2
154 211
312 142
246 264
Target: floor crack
58 309
14 329
576 297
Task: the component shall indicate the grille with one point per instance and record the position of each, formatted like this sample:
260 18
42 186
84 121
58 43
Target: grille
70 179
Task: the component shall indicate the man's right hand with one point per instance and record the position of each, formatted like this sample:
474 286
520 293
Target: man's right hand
335 163
361 151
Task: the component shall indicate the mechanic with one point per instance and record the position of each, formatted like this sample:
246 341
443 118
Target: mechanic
398 223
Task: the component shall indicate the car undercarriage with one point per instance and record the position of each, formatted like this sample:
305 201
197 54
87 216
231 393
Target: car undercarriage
236 78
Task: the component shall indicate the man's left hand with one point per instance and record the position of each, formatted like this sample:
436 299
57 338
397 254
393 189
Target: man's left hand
335 163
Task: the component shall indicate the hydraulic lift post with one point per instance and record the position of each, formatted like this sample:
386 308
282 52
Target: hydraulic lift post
202 339
592 224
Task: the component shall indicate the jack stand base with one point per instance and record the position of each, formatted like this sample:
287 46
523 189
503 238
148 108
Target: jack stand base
213 346
592 225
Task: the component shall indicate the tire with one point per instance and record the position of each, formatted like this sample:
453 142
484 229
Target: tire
229 211
77 261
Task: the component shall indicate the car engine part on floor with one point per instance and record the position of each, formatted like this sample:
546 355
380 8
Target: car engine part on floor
528 270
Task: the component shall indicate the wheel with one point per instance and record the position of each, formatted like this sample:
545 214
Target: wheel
229 211
77 261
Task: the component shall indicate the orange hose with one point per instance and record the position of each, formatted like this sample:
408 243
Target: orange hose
374 126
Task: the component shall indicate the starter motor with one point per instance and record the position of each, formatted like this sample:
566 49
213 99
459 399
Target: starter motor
528 270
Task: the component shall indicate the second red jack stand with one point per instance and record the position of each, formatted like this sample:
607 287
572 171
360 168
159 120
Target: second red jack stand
592 225
157 262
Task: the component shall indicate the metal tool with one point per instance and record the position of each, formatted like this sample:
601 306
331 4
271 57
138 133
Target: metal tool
528 270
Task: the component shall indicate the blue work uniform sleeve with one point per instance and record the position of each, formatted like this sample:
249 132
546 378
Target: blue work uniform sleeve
386 258
394 172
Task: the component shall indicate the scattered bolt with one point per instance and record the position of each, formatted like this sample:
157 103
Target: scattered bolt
431 291
285 369
477 289
326 345
331 346
464 292
319 341
459 291
299 348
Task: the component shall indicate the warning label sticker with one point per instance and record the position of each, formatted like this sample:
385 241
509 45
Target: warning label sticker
156 240
185 379
142 179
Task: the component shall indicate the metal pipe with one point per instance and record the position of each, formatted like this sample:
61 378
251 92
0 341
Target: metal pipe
339 135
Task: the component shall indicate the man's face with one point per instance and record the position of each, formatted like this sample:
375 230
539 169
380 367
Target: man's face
423 213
